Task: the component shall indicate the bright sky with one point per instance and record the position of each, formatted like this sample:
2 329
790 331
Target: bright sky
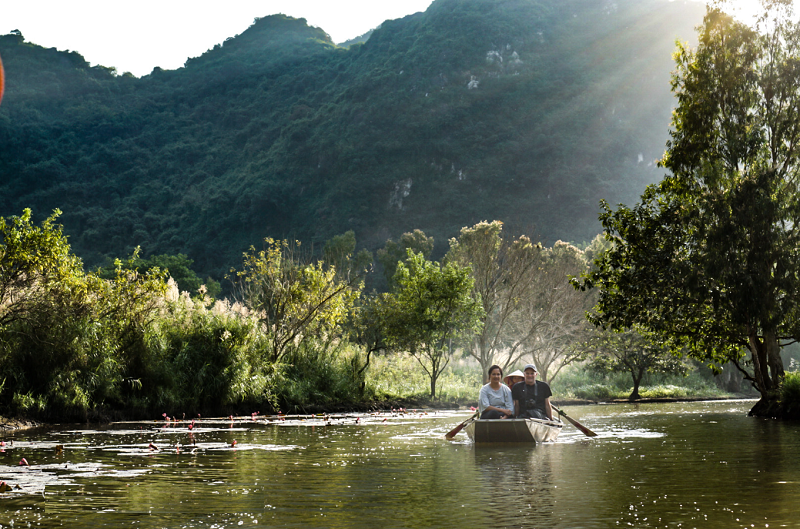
137 36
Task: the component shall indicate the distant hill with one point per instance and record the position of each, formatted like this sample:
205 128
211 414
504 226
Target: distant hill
527 111
361 39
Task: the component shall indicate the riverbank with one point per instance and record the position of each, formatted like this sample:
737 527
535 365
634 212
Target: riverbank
7 424
415 403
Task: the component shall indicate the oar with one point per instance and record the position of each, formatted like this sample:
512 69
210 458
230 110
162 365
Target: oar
452 433
575 423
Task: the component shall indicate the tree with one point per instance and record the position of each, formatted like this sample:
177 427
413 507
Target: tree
37 267
528 305
429 311
366 328
709 259
69 339
340 252
553 317
394 252
128 304
292 298
633 353
178 267
504 277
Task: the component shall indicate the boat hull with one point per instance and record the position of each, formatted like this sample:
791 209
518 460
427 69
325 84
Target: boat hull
513 430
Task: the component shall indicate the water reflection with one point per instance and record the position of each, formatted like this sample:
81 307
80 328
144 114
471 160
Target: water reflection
518 484
666 465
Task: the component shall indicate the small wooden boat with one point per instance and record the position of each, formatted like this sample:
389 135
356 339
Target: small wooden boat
513 430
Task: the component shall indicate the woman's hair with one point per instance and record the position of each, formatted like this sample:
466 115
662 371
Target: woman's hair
495 367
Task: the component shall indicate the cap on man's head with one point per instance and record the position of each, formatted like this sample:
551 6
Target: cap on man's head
530 366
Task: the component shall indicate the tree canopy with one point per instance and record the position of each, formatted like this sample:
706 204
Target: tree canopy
709 259
430 312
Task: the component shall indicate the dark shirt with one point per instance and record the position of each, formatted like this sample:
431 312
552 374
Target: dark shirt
531 397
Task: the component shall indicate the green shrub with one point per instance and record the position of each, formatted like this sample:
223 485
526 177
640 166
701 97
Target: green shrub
316 374
790 393
664 391
27 402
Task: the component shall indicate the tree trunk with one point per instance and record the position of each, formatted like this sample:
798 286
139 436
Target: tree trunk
434 376
637 381
774 360
767 373
361 372
486 359
485 369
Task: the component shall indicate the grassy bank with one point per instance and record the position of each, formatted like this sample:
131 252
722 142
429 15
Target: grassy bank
399 377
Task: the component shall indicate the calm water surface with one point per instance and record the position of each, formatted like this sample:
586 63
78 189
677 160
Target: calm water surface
653 465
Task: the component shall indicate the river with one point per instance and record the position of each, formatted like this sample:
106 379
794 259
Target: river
652 465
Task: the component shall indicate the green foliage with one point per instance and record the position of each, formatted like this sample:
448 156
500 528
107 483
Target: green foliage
178 267
293 299
394 253
633 353
82 345
210 356
277 132
70 340
316 374
579 382
36 267
709 258
398 376
790 394
597 392
430 310
504 279
340 252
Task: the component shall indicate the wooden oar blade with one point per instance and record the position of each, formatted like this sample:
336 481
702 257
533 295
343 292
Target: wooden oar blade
581 427
452 433
586 431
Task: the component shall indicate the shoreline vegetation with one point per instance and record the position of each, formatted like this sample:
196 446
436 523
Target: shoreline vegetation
8 424
301 336
459 389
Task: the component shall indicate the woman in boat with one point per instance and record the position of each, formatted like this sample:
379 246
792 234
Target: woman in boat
495 398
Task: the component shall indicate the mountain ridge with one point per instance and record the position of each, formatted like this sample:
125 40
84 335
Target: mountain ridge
525 111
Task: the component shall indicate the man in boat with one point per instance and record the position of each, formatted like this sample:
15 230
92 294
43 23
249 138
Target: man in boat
495 398
532 397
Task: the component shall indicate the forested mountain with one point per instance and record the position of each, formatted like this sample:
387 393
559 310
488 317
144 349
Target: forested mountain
527 111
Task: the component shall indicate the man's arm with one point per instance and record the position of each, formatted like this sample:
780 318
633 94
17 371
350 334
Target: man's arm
548 408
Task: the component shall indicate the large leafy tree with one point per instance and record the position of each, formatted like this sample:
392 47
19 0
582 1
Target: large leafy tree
633 353
504 279
37 267
709 258
430 310
68 340
529 308
340 252
554 317
295 299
